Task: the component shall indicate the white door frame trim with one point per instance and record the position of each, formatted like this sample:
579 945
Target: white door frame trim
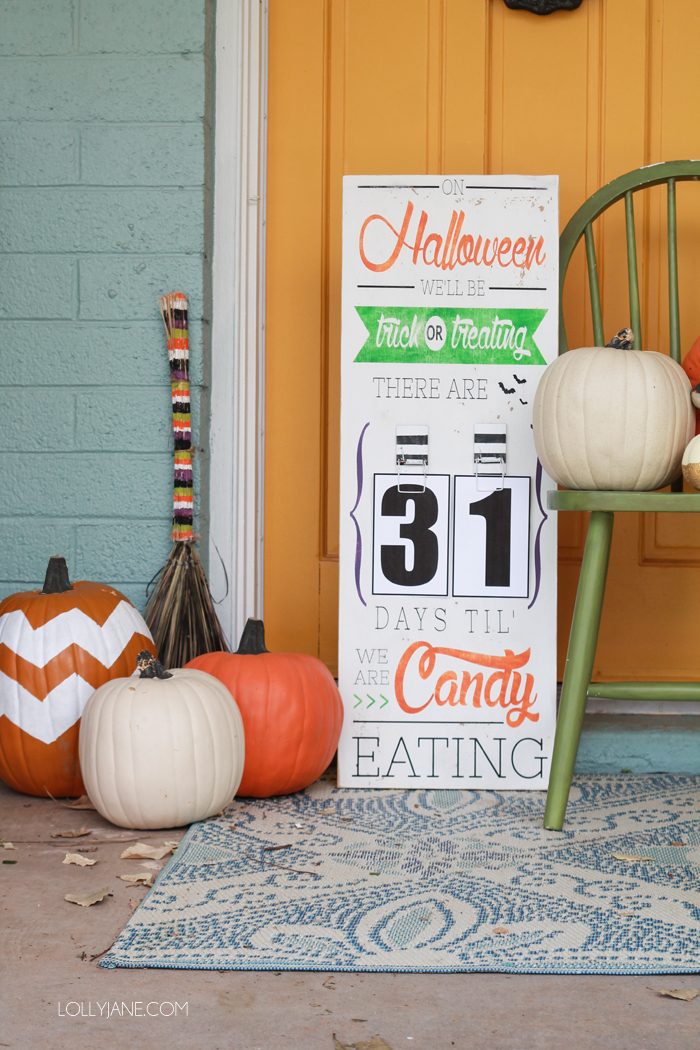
237 334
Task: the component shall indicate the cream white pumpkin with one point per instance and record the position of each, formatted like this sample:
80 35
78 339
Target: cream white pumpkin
159 753
691 463
606 418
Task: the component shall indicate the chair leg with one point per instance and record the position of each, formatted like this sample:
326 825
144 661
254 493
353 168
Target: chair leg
579 665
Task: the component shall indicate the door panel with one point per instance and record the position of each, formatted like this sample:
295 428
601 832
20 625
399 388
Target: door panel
368 87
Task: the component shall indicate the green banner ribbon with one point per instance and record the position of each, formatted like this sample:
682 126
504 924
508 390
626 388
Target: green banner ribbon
433 335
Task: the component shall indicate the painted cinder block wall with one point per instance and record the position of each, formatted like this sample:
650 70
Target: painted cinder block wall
104 204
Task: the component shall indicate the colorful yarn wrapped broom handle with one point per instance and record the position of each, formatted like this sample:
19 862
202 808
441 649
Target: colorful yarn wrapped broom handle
174 308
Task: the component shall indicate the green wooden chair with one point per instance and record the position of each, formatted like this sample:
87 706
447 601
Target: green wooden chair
577 685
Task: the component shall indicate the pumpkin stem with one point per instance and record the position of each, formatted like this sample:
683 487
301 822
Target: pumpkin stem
624 340
56 580
252 641
150 666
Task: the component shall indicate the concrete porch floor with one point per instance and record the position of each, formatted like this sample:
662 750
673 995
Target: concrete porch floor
48 973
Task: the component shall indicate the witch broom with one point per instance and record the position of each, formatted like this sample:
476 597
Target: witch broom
180 611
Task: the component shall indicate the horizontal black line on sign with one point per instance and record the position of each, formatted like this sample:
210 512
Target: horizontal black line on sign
513 288
423 722
412 439
422 186
488 439
386 286
522 188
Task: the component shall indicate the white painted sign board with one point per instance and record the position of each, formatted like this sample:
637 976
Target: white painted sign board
447 552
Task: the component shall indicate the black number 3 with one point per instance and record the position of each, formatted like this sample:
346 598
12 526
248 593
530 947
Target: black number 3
419 532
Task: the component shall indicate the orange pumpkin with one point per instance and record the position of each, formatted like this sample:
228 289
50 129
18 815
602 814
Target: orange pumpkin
291 709
57 645
691 367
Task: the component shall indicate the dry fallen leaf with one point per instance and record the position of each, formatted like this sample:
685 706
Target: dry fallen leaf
375 1043
630 858
88 898
141 851
78 858
501 931
79 834
144 878
8 845
686 994
80 803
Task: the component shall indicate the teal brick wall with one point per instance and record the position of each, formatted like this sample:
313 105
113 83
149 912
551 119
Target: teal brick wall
103 182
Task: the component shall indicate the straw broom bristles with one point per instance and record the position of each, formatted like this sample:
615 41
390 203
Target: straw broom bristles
180 611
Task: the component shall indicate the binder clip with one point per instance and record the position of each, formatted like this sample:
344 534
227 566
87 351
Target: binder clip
411 457
490 455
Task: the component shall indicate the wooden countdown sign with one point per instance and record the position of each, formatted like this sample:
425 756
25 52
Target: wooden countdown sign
447 552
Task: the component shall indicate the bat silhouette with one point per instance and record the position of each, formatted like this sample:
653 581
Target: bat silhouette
517 380
506 390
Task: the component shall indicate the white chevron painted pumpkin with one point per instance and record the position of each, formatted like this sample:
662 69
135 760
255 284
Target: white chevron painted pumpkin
606 418
57 646
160 752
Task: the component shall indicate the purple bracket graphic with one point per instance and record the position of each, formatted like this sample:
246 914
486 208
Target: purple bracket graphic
538 556
360 481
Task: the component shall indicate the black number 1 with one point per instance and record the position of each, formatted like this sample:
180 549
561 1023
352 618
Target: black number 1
419 532
496 511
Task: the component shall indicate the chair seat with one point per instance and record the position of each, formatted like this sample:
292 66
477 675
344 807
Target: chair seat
658 501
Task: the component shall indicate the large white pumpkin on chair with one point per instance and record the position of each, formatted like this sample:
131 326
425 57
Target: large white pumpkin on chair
606 418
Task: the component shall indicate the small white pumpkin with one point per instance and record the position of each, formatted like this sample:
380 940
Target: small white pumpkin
605 418
159 752
691 463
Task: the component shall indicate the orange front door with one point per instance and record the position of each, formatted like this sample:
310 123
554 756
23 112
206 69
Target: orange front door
432 86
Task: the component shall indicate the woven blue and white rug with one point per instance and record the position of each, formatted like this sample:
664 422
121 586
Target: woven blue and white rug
433 881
